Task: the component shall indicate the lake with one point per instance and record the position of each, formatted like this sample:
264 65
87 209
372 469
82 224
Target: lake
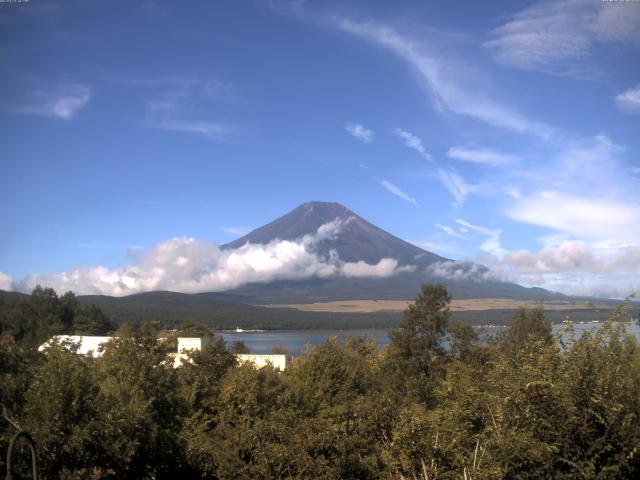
296 340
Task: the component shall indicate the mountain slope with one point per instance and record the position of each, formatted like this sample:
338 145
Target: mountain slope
222 311
358 239
402 286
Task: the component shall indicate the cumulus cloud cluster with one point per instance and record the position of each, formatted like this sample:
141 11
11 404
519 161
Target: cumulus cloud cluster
574 267
629 100
571 267
462 270
572 256
190 265
5 281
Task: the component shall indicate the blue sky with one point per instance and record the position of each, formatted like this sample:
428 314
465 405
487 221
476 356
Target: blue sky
139 135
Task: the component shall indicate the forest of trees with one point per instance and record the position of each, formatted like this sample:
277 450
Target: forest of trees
523 405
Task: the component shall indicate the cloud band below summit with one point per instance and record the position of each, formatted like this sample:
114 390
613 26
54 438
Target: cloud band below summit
190 265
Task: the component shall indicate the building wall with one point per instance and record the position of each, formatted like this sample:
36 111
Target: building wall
86 344
190 343
91 345
279 362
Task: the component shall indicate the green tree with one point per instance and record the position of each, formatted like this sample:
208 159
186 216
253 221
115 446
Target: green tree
61 412
139 406
34 319
90 320
199 384
424 322
527 326
464 342
239 347
413 361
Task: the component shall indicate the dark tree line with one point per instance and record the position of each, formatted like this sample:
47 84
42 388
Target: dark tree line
34 319
521 406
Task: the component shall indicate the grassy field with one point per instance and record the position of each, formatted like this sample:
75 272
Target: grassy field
457 305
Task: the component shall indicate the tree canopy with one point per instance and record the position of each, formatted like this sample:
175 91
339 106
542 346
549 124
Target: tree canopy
437 403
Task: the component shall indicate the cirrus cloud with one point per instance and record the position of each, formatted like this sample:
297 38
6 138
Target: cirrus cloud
447 84
62 103
413 142
456 186
554 37
481 156
397 191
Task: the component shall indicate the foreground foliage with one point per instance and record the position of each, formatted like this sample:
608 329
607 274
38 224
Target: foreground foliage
525 405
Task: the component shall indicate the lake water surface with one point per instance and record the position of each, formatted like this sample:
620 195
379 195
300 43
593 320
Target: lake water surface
296 340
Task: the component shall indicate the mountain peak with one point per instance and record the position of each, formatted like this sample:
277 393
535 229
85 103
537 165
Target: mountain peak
319 203
358 240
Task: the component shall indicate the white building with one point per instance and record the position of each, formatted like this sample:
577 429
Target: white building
186 345
90 345
279 362
87 345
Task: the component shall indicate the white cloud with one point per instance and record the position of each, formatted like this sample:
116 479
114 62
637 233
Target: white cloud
207 129
239 231
218 90
464 270
449 92
412 141
181 106
397 192
599 287
456 186
190 265
554 36
165 115
580 216
481 156
570 256
450 231
589 167
63 102
629 100
206 89
552 241
575 267
386 267
512 191
584 192
360 132
6 282
492 243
